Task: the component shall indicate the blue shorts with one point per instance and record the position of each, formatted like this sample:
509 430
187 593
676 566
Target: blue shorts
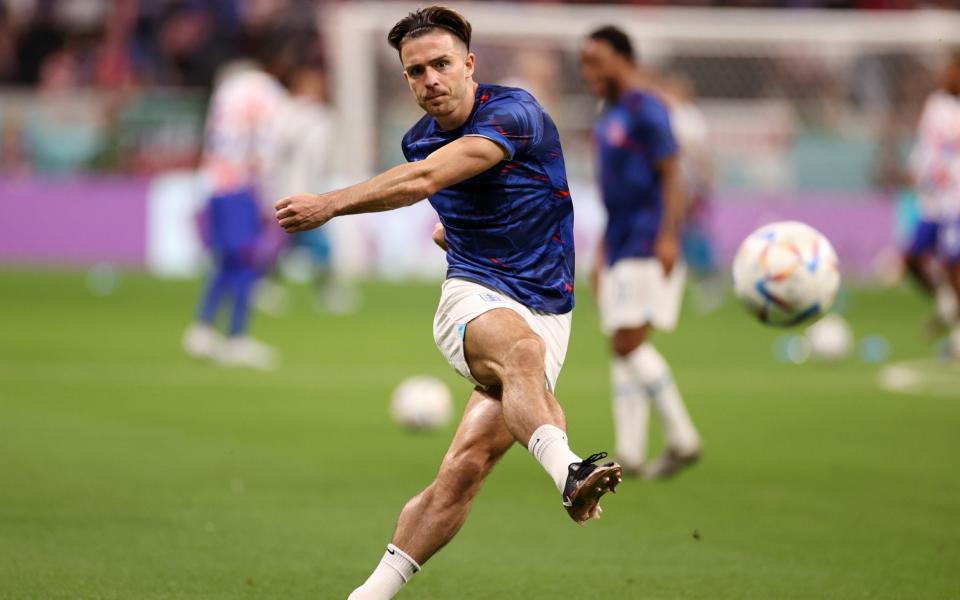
233 223
924 239
941 237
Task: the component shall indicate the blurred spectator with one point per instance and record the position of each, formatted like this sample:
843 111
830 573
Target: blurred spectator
151 64
64 128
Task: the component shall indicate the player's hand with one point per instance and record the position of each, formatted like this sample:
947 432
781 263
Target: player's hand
301 212
667 251
440 236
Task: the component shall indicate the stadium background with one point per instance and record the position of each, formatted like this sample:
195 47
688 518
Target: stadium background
128 471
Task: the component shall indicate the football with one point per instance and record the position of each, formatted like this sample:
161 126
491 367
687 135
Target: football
421 403
831 339
786 273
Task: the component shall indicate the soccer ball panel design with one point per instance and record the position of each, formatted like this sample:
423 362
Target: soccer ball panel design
786 273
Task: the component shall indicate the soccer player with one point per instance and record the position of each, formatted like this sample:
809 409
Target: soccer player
490 162
237 132
638 273
935 164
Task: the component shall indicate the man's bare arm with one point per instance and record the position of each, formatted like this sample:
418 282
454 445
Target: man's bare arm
400 186
667 247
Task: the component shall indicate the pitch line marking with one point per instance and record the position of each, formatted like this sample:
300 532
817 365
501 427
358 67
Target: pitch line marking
922 377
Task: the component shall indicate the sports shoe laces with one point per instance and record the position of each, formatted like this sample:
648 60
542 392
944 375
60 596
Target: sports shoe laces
586 465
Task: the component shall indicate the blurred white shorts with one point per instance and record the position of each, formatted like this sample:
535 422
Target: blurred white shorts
635 292
462 301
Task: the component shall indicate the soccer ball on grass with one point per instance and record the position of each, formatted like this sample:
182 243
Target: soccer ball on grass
421 403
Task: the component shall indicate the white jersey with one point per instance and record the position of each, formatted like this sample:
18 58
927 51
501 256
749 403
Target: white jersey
935 161
238 130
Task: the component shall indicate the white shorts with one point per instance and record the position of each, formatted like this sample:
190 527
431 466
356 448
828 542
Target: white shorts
635 292
462 301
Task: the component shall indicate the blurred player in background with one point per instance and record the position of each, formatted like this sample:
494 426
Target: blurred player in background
240 123
489 159
933 257
639 273
301 159
693 138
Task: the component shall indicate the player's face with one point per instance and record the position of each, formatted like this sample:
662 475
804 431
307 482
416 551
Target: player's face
598 67
439 70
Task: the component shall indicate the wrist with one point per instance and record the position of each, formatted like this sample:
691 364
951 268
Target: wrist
334 201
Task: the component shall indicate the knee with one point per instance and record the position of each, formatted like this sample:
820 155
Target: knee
625 341
526 355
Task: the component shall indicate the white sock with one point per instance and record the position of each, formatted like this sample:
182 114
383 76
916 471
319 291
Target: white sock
653 373
631 414
548 445
395 569
946 302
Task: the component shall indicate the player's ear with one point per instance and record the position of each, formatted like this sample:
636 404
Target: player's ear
469 63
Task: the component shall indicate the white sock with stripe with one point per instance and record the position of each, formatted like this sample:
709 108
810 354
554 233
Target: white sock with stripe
631 414
653 373
395 569
549 446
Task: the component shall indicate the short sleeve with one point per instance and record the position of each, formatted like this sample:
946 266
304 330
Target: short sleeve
405 147
653 132
514 124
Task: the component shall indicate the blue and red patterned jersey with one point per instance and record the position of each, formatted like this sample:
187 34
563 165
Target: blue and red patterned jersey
632 137
510 227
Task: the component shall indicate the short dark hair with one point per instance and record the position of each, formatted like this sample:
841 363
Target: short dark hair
617 39
425 20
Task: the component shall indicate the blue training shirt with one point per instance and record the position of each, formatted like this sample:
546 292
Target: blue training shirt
511 227
632 137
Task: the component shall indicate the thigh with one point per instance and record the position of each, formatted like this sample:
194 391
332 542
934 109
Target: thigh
624 341
461 303
554 330
489 338
482 432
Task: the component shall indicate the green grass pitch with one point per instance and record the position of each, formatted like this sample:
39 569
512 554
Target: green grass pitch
129 471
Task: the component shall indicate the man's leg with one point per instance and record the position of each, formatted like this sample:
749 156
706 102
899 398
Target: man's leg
652 373
502 350
919 254
218 285
434 516
201 339
245 278
631 403
918 268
